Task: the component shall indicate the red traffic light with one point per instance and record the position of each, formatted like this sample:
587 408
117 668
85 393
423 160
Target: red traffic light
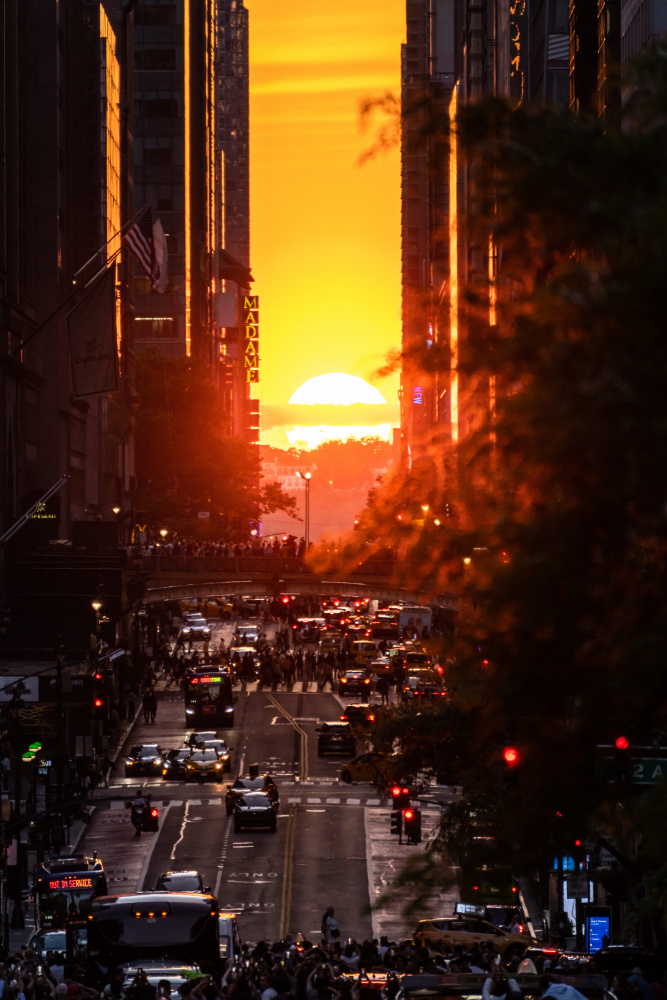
511 756
154 812
98 676
396 791
285 599
622 743
408 814
98 702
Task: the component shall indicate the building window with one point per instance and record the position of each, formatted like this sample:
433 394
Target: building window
153 15
157 157
154 59
155 327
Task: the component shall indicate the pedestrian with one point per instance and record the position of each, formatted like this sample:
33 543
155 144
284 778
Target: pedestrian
330 931
146 705
152 706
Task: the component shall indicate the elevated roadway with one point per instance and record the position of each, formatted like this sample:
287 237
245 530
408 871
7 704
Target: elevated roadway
183 577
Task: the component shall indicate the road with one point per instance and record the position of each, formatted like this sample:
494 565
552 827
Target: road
332 846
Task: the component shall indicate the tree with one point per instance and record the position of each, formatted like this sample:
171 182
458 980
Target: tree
558 543
186 462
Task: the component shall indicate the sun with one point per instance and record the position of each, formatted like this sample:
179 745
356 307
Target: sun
336 389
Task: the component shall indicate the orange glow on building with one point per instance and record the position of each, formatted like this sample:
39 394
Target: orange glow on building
453 267
111 153
187 136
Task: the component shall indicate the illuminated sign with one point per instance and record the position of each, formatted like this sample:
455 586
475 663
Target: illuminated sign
417 395
250 319
206 680
58 884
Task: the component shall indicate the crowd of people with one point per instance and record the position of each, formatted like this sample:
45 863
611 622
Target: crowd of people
332 968
284 546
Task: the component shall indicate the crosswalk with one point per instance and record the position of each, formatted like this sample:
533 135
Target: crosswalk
367 802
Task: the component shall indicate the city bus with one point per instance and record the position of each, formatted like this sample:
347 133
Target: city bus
179 927
64 889
208 696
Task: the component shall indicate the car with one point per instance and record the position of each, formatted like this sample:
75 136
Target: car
173 765
243 651
204 765
308 629
363 650
330 641
230 941
378 768
49 940
470 930
335 737
360 715
195 626
223 751
145 758
246 635
250 783
425 682
200 736
181 881
177 974
255 809
354 682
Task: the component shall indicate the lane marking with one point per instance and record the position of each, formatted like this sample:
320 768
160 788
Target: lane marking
288 866
303 773
172 856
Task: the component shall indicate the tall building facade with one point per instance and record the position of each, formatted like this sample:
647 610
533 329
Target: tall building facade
62 200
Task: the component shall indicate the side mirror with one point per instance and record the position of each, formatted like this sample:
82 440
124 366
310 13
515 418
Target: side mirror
207 888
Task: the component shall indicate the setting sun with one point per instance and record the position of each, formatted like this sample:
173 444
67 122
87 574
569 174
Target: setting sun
336 389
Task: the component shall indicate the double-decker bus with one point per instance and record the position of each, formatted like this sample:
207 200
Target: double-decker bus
65 888
208 696
180 927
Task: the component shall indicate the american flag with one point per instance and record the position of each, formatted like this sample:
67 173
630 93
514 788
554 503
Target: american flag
139 241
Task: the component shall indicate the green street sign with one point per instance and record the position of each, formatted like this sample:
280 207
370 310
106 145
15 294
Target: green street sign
645 770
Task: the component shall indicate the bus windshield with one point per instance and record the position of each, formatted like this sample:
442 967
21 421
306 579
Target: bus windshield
65 888
208 697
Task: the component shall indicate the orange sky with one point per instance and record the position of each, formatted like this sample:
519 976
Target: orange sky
325 232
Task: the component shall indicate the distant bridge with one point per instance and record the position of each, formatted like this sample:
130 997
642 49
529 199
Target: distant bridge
184 577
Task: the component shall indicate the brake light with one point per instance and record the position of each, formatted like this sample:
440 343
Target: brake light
343 718
370 718
343 680
367 680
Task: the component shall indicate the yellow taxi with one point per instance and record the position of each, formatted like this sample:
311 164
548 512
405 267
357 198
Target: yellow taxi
467 931
374 767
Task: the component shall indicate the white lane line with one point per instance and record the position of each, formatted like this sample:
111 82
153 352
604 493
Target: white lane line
314 801
172 856
353 802
333 802
223 858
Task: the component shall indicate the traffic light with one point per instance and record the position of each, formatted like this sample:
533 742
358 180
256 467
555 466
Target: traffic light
622 761
396 824
412 819
99 706
400 794
511 756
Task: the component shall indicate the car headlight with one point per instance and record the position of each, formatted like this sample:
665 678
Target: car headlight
229 708
130 763
189 767
218 766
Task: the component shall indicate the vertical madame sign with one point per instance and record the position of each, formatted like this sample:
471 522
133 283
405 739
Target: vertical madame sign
250 311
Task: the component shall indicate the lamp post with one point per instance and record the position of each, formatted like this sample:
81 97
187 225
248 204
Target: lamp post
306 478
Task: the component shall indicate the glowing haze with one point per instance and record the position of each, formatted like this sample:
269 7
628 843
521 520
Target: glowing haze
325 239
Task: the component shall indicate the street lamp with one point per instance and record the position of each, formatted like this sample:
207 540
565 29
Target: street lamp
306 478
164 533
116 510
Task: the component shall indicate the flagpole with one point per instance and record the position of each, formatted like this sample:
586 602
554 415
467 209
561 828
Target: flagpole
127 225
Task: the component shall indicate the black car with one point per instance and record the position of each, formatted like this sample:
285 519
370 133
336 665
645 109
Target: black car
360 715
204 765
250 783
197 738
335 737
173 765
354 682
144 759
255 809
181 881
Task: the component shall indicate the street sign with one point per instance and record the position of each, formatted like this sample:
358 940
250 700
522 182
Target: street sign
644 770
577 886
606 858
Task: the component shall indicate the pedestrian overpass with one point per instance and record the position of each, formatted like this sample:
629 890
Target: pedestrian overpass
190 577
